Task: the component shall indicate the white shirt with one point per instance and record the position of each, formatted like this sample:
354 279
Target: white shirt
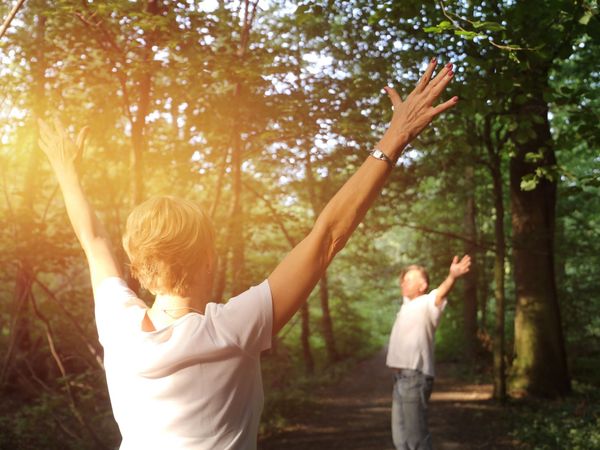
195 384
412 340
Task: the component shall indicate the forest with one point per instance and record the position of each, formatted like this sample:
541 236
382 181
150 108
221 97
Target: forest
259 110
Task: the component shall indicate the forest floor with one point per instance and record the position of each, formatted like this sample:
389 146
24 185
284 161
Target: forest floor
355 414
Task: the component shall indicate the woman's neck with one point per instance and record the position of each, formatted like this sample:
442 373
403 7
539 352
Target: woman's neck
179 305
168 308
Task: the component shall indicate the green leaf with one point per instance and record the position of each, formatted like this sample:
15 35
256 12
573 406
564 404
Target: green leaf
585 19
302 9
491 26
442 26
468 34
533 157
529 182
445 25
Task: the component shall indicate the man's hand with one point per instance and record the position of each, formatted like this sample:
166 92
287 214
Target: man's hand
60 149
459 268
413 114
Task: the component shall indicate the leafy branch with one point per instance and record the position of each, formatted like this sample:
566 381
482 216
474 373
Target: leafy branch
454 23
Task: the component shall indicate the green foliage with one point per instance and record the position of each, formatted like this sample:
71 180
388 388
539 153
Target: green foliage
47 420
572 423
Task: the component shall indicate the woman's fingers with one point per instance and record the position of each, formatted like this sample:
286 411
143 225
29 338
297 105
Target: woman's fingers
58 126
45 129
394 97
80 143
439 87
81 137
444 106
56 143
440 76
43 145
422 84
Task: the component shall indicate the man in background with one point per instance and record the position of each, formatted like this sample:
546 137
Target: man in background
411 352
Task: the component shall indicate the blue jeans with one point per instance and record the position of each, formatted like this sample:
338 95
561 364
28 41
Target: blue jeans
412 390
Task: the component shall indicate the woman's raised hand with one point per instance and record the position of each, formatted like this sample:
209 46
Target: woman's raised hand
413 114
58 146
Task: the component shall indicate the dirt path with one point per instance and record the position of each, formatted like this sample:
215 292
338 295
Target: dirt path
355 415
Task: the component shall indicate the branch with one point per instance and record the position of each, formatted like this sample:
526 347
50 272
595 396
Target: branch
73 321
275 213
112 44
481 244
454 22
10 17
72 401
49 337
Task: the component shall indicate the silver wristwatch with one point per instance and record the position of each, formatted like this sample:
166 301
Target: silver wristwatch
376 153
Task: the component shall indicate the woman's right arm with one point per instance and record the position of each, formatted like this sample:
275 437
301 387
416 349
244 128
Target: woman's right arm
296 276
62 153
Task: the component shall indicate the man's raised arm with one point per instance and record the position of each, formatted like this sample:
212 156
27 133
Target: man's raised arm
296 276
457 270
63 153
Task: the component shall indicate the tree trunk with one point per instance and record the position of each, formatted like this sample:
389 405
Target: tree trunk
309 363
499 352
138 126
236 225
326 322
483 295
219 287
138 148
237 218
540 366
19 340
470 279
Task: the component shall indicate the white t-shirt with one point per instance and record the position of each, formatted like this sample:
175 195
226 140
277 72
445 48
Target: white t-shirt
412 340
195 384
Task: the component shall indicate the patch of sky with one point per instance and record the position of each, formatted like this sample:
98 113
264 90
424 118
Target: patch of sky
161 54
410 156
207 5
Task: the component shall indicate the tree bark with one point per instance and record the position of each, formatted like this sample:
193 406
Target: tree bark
19 334
309 362
470 279
499 352
540 366
326 322
236 225
138 125
237 218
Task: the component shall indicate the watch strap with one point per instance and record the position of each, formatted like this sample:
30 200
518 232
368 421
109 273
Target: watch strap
378 154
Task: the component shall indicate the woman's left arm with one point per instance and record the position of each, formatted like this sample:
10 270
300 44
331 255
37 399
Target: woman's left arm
295 277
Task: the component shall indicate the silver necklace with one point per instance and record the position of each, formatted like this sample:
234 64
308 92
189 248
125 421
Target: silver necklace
189 308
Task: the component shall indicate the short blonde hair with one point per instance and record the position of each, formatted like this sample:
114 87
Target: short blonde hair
419 269
169 241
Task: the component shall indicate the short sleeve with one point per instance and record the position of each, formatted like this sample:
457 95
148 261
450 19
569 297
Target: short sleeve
118 310
247 320
435 312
